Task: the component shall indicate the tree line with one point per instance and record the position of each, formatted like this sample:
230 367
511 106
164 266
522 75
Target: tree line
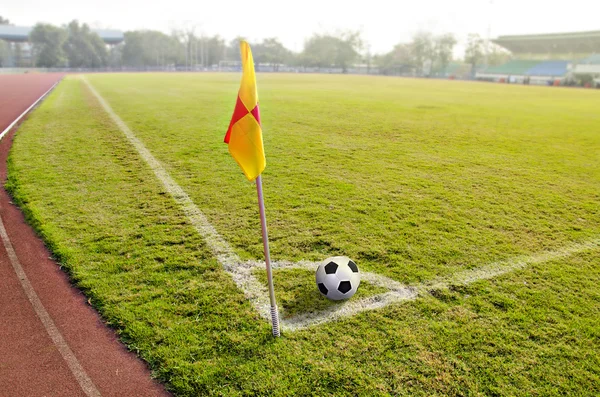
75 45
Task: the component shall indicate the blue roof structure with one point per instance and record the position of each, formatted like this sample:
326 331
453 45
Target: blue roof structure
21 34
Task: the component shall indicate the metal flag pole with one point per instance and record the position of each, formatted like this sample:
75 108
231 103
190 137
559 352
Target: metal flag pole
265 237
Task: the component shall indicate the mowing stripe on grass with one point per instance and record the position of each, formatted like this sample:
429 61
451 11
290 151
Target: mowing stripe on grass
241 272
67 354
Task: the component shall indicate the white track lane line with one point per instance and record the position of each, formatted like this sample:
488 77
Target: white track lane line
11 125
67 354
242 275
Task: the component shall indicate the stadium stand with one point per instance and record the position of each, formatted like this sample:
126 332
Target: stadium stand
555 59
589 66
544 45
549 68
516 67
593 59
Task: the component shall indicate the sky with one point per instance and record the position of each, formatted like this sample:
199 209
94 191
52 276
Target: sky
383 23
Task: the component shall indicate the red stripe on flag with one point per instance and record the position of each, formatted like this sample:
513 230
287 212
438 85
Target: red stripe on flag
256 113
239 112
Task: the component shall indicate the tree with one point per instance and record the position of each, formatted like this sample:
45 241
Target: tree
233 49
271 51
422 51
208 51
133 49
190 42
84 48
149 48
325 51
115 56
396 62
4 21
474 51
215 50
497 55
17 54
443 48
48 44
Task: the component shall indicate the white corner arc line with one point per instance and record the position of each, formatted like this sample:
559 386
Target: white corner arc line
241 272
11 125
400 293
65 351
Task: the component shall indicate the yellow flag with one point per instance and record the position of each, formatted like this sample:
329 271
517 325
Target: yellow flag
244 135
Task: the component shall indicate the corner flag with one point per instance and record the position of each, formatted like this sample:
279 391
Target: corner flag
244 135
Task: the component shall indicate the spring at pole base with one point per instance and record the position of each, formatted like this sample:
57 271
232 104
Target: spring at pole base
275 321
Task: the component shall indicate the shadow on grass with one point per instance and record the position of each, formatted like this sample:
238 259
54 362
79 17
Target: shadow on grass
297 293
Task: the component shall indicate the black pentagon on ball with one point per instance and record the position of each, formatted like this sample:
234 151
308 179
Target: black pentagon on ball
344 287
353 266
331 268
323 289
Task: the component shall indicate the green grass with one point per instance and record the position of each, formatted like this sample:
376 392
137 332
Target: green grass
413 179
296 292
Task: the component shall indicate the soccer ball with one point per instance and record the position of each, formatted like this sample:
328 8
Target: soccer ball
338 278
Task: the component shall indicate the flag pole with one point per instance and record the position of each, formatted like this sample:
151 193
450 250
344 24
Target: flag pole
265 237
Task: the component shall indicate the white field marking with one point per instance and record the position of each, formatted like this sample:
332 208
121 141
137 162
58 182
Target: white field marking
496 269
242 272
401 293
11 125
65 351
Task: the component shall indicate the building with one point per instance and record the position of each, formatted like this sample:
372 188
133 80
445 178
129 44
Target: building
17 38
556 58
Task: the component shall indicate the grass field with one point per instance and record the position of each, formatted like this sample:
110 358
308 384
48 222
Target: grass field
413 179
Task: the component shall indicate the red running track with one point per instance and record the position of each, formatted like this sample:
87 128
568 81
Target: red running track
32 363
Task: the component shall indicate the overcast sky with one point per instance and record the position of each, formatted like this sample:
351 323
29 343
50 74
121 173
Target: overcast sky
383 23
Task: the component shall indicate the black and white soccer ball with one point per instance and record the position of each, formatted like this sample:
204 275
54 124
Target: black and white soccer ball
338 278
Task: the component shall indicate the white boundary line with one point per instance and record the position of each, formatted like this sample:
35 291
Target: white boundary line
242 272
497 269
11 125
65 351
